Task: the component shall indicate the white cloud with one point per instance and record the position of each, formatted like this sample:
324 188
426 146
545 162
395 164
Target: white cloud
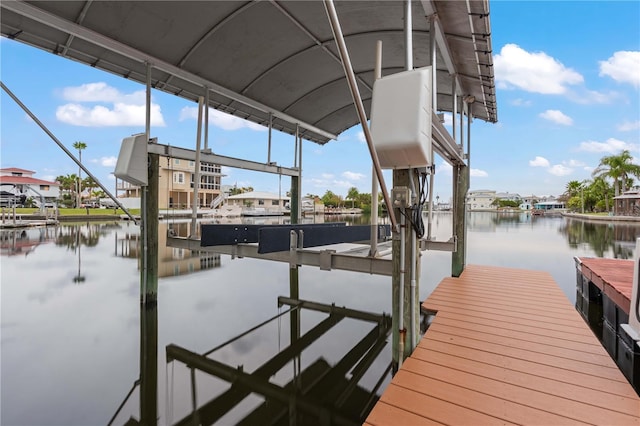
108 161
533 72
101 116
628 126
448 119
560 170
623 67
520 102
589 97
445 168
125 109
100 92
563 169
478 173
360 136
539 162
573 163
557 117
221 119
327 176
611 145
353 175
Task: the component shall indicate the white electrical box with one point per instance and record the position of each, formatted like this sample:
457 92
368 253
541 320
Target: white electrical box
132 160
401 119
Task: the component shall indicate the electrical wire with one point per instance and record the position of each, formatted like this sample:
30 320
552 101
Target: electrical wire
415 216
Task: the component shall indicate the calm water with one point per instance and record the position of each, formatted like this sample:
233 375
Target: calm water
71 321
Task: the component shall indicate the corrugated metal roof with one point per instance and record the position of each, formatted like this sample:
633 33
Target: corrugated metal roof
265 57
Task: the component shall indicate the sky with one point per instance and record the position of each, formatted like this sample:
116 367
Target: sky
568 93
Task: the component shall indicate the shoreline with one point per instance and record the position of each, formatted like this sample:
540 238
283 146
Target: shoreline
632 219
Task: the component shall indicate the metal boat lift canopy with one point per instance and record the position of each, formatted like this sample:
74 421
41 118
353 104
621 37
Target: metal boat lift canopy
265 58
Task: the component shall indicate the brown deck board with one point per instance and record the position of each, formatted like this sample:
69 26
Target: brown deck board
506 346
515 403
613 276
534 347
519 328
623 404
559 342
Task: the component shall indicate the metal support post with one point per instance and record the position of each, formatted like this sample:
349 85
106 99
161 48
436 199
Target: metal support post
461 181
149 365
206 120
374 181
150 252
269 144
196 174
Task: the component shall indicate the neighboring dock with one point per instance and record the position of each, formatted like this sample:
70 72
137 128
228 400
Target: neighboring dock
603 294
506 346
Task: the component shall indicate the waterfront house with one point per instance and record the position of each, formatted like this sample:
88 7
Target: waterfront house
176 184
258 203
21 182
481 199
627 204
508 196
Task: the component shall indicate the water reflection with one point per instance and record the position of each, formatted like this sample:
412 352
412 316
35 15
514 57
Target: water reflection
60 339
605 239
15 242
172 261
311 392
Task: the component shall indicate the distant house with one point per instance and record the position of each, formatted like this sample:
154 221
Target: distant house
259 203
481 200
176 184
527 202
21 182
550 205
508 196
627 204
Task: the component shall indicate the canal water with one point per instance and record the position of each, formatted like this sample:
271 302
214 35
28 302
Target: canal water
72 351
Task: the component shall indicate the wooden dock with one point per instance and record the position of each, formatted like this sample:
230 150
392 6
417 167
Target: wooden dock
506 347
612 276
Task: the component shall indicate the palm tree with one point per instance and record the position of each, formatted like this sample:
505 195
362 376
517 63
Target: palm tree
79 146
573 188
619 168
353 195
600 187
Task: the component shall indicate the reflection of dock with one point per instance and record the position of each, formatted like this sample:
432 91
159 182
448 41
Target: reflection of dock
506 346
24 241
319 394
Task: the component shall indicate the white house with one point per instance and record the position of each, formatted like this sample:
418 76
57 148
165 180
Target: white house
481 200
257 203
21 182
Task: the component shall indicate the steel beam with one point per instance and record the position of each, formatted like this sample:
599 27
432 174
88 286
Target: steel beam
190 154
307 257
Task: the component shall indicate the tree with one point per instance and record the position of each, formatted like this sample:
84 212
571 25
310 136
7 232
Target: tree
572 189
79 146
353 195
601 189
331 200
619 168
89 184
